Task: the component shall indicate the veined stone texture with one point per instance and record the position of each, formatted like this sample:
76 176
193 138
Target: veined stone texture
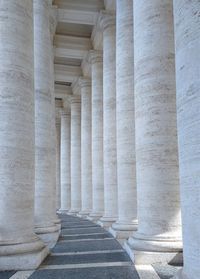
159 217
187 35
86 148
65 160
75 154
53 135
45 191
126 173
96 59
109 118
58 178
19 246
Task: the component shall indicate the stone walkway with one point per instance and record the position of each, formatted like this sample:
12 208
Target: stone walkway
87 251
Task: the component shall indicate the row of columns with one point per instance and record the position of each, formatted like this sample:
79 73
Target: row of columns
28 220
131 172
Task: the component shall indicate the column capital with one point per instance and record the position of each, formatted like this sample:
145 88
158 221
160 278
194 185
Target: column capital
75 99
106 20
64 112
84 82
96 56
66 109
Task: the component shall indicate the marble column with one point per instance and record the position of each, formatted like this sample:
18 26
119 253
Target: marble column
45 191
75 154
126 174
20 247
159 222
187 41
86 149
65 159
96 60
108 25
58 147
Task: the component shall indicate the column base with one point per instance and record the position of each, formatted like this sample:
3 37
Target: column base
151 251
49 235
95 216
22 256
58 222
180 275
73 212
122 231
83 214
106 222
63 211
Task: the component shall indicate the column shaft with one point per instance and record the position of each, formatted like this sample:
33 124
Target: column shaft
109 116
159 229
187 39
65 161
126 174
96 59
86 149
75 154
45 169
20 248
58 179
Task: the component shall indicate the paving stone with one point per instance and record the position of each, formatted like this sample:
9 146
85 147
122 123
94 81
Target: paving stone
88 273
65 226
80 246
166 271
92 258
92 236
82 230
77 223
6 274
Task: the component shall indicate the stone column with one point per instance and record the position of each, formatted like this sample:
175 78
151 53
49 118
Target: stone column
86 149
75 154
159 231
65 159
108 25
58 146
20 248
126 174
187 41
96 60
45 192
53 23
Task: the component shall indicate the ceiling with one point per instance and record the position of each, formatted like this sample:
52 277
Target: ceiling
75 22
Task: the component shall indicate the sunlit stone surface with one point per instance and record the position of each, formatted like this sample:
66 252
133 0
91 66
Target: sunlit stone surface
20 248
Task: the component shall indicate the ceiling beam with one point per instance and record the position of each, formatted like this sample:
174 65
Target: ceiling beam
62 91
65 73
71 47
77 16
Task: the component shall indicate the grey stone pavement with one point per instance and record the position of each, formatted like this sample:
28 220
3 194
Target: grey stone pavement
87 251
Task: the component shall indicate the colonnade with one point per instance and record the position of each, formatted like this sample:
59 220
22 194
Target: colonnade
129 134
143 159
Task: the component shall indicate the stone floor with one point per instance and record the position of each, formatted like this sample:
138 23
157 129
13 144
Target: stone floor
87 251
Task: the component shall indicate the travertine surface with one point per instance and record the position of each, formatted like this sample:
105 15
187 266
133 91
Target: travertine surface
57 221
159 219
96 60
20 248
75 154
45 169
86 148
187 35
109 118
65 159
58 181
126 174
